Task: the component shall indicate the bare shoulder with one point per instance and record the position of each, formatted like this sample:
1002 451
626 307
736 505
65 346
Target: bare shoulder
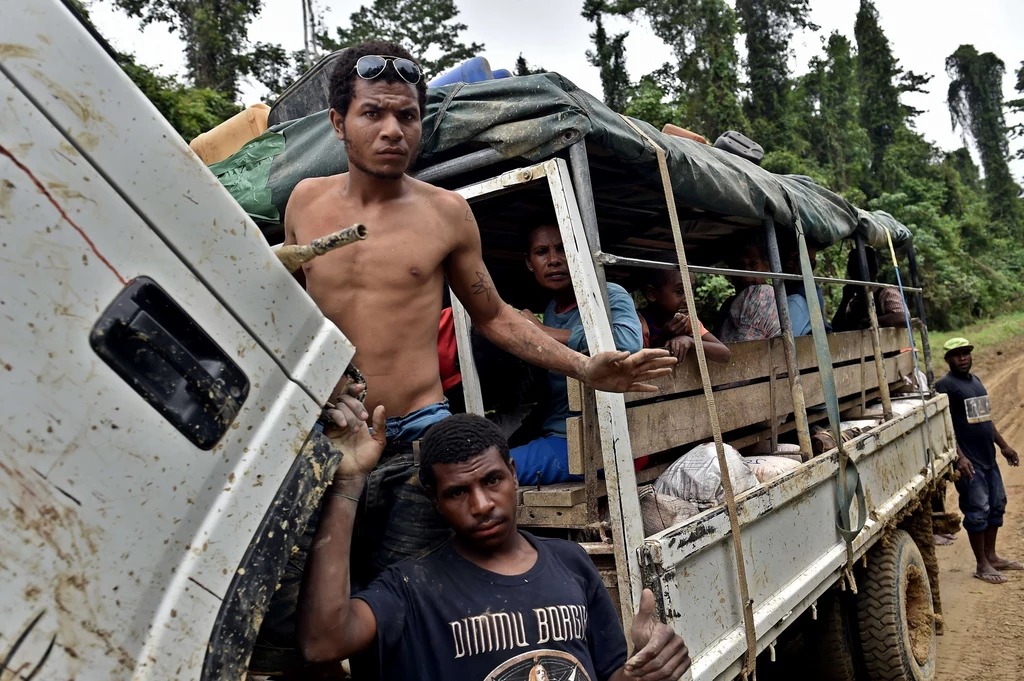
309 190
306 200
448 204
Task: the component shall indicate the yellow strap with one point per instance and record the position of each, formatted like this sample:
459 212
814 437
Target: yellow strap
927 432
750 665
892 251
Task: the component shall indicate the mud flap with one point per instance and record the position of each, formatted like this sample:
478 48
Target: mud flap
242 611
650 579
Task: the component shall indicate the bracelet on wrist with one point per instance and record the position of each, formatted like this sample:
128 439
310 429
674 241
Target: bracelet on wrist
343 496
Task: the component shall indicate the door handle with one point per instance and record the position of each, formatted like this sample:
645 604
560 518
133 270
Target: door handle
170 361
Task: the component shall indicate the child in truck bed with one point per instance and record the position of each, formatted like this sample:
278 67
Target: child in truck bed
666 322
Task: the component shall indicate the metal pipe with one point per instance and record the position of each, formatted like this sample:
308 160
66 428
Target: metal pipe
294 256
623 261
915 279
876 339
579 165
796 387
463 164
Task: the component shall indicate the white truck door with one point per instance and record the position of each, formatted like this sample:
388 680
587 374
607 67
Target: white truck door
58 64
156 455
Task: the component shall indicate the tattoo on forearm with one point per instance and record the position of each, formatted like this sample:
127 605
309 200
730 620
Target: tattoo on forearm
483 285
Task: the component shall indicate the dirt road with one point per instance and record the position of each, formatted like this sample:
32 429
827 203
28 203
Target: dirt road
984 639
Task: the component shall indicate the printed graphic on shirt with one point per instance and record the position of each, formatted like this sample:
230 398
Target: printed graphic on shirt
540 665
496 631
978 409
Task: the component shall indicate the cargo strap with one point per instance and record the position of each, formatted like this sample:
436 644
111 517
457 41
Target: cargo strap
848 483
749 666
926 433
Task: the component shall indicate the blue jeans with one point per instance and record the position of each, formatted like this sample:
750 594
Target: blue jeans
395 520
982 499
543 461
414 426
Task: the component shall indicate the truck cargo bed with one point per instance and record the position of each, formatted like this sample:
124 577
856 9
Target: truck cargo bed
792 549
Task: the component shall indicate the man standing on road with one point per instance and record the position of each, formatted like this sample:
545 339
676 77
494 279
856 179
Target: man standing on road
492 603
982 496
385 295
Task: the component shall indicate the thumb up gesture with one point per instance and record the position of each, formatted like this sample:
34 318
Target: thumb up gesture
660 654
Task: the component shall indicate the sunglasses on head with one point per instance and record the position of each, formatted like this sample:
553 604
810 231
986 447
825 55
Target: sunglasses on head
373 65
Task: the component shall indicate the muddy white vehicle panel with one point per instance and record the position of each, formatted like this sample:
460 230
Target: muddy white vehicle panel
163 374
57 64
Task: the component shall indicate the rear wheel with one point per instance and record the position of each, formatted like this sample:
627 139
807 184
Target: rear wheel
831 638
895 618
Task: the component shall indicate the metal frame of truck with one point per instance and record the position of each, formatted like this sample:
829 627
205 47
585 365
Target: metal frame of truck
794 553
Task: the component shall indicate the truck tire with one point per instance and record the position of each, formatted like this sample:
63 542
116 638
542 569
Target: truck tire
894 613
831 640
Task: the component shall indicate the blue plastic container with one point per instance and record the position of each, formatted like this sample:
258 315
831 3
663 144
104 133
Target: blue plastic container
502 73
470 71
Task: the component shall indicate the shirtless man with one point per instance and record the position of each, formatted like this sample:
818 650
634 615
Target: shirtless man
385 293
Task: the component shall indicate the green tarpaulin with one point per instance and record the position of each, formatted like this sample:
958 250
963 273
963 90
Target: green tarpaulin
534 117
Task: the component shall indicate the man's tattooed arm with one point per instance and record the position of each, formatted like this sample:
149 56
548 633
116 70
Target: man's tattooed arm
492 317
483 285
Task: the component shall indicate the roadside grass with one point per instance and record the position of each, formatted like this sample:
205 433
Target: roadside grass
982 334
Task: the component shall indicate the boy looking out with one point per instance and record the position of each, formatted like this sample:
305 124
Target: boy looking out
666 321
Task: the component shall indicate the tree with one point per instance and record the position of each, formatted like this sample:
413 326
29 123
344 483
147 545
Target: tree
215 33
827 110
975 100
877 73
608 55
1017 106
523 68
427 28
768 26
275 68
965 167
964 266
190 110
651 99
702 34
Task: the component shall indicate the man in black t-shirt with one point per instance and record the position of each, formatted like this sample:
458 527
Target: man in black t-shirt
492 603
982 496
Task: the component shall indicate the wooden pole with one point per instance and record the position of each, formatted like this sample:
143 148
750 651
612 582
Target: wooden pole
915 281
876 342
803 431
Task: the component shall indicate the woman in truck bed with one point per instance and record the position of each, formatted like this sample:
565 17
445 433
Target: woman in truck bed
545 460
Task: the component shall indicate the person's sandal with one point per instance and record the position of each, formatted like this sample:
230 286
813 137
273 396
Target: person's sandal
991 579
1010 565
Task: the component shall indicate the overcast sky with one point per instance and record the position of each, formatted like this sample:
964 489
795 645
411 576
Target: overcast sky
552 34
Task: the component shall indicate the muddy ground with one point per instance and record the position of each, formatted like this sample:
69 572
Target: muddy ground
984 639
